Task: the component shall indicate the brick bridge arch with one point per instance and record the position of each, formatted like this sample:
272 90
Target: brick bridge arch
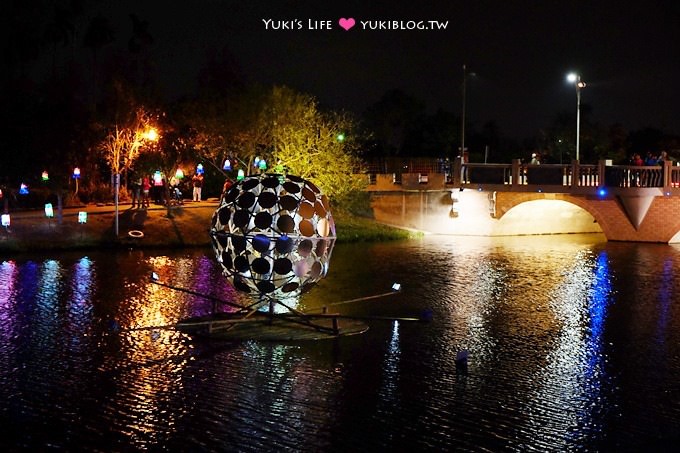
660 222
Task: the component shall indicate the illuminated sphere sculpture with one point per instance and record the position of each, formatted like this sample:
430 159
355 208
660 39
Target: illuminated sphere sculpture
273 235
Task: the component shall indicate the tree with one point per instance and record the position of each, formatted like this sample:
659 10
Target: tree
315 145
392 118
172 151
123 142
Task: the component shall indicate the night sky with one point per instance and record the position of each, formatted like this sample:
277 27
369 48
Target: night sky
520 52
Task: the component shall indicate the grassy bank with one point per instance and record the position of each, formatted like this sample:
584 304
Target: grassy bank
188 227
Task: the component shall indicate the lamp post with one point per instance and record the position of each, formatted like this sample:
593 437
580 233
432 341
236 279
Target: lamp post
579 84
462 121
462 116
148 135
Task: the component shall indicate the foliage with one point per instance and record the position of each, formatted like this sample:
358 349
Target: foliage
123 143
306 142
285 128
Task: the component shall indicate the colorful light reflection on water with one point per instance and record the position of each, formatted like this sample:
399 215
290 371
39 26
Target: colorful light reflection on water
574 345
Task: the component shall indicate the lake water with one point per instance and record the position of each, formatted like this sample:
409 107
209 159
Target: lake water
574 344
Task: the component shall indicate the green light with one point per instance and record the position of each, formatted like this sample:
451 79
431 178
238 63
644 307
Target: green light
341 137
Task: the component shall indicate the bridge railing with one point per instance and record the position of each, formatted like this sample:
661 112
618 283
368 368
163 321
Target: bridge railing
517 176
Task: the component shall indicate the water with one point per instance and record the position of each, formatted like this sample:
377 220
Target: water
574 344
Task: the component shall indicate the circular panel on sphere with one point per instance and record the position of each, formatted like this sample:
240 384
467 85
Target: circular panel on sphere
265 286
261 243
312 186
289 202
246 200
263 220
306 210
238 243
286 224
241 218
290 287
306 228
283 266
331 226
260 266
291 187
224 215
284 244
222 238
226 260
320 209
316 270
241 264
322 227
267 200
295 178
241 285
320 248
270 182
308 194
232 194
305 248
250 183
301 268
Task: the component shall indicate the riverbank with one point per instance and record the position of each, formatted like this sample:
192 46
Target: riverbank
148 228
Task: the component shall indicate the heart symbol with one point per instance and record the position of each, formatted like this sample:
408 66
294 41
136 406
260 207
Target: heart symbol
347 23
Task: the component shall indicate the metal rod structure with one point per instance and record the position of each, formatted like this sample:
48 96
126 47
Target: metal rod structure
578 119
462 122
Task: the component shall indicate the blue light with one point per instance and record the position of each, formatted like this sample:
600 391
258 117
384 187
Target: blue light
602 192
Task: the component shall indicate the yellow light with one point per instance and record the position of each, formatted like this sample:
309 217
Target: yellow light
151 134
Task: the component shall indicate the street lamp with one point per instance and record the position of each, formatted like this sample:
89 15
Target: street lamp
151 135
462 121
579 84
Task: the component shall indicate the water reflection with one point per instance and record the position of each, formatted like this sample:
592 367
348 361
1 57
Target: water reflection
574 344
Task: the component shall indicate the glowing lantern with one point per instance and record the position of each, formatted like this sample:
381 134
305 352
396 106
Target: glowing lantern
341 137
241 175
262 165
199 169
5 220
76 173
179 174
157 178
256 163
82 217
45 176
23 189
227 165
49 212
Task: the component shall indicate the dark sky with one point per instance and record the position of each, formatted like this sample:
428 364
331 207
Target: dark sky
627 52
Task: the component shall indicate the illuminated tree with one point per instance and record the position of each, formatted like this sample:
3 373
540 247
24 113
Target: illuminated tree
317 146
123 143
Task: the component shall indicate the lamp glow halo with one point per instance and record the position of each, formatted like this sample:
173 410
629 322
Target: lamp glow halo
273 235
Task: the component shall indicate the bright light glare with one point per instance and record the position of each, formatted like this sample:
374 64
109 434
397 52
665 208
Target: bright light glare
151 134
571 78
396 287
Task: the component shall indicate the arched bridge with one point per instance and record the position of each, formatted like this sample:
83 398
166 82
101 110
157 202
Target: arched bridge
626 203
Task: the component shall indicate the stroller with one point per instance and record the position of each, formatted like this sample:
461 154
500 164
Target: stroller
176 196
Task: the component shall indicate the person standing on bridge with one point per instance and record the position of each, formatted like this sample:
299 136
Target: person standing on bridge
534 159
